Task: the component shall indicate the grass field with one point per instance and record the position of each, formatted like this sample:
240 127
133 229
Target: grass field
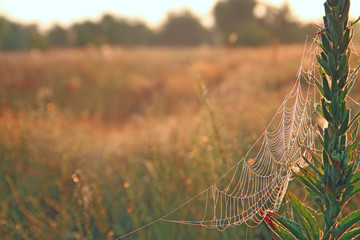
97 142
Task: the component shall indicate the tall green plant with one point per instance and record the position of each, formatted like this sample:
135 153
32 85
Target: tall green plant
332 179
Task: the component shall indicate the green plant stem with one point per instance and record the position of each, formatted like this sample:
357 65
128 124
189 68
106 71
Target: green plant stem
335 179
336 83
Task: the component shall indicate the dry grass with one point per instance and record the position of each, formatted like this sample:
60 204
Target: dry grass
96 142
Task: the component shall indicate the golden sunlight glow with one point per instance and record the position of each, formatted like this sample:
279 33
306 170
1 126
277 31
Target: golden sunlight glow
65 12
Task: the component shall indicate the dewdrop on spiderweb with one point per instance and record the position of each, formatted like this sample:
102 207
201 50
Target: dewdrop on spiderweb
250 161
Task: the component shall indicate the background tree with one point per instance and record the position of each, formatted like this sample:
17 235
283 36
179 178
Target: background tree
182 29
237 17
14 36
115 31
140 34
232 17
229 13
123 32
86 33
58 37
37 39
284 26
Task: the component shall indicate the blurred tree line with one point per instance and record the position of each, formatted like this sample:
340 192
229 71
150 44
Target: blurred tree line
235 18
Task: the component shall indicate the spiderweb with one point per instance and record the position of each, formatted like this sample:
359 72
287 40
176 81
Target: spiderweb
257 183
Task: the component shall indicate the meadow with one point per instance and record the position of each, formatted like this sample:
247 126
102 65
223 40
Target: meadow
96 142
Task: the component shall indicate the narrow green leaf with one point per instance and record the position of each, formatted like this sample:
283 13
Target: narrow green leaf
332 63
283 234
321 130
327 9
307 219
319 110
354 119
326 159
313 166
353 23
352 146
317 159
324 65
345 124
347 222
342 143
335 206
354 133
350 234
343 70
326 113
326 139
357 161
344 94
290 225
355 178
344 45
325 21
332 29
352 77
326 87
350 192
312 179
320 88
309 184
279 230
325 43
345 13
324 57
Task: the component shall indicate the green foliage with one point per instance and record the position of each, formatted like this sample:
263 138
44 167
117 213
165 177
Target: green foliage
15 36
179 29
350 234
347 222
124 32
281 23
58 37
229 14
335 179
305 217
237 16
282 233
182 29
252 33
293 227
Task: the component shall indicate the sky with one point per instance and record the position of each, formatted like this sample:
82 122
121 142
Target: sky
64 12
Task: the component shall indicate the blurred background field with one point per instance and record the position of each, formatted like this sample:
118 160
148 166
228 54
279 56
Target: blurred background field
99 137
97 142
